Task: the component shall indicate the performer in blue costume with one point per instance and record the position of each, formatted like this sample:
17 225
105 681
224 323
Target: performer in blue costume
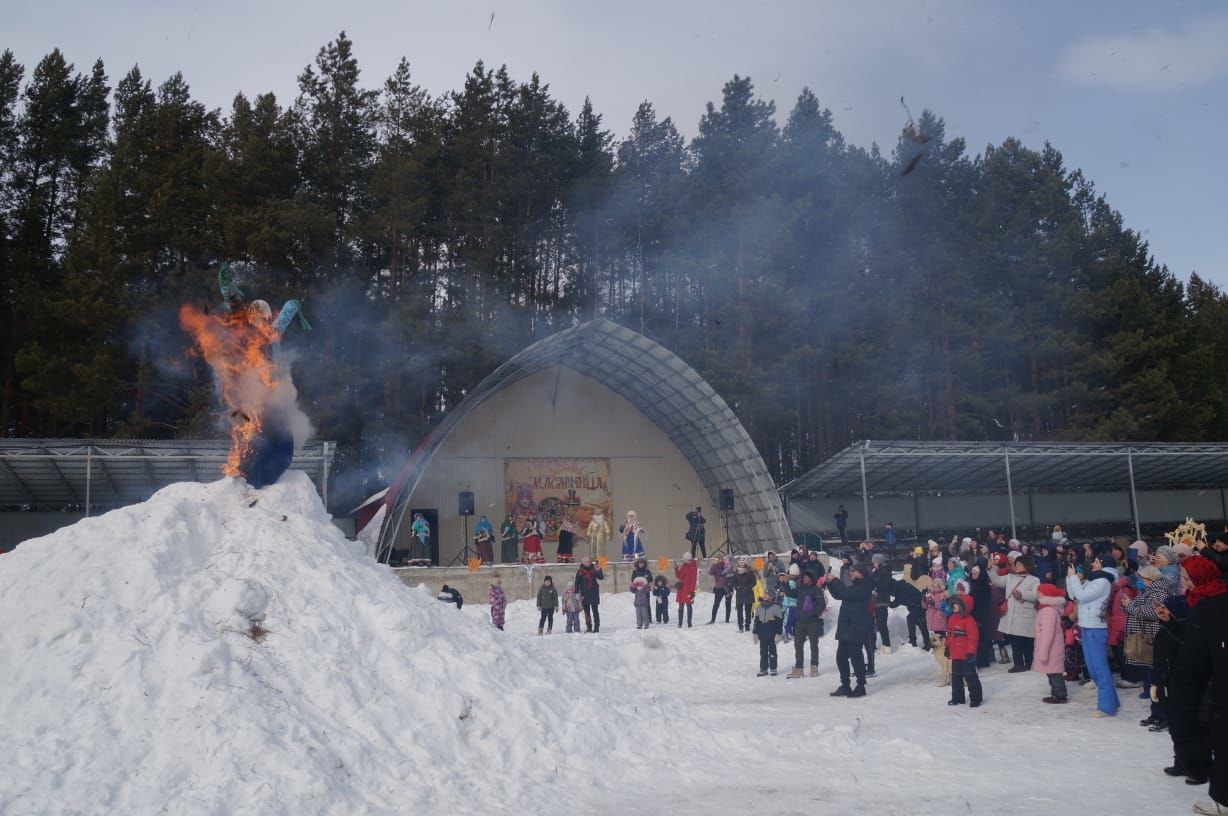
272 451
633 537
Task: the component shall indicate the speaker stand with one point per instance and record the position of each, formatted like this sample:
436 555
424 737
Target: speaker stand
466 552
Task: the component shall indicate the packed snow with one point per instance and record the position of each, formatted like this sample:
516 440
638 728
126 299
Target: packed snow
219 650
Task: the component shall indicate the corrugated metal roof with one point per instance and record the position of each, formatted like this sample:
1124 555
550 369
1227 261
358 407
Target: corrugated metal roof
905 468
57 474
668 392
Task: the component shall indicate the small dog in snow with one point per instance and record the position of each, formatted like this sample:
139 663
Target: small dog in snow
938 642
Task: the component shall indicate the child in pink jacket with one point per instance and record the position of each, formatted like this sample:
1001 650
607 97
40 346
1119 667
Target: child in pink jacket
1049 655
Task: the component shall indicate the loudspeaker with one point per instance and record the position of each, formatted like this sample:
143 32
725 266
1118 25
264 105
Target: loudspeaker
726 498
465 503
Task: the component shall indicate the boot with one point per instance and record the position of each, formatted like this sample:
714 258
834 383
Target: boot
860 691
795 673
1003 657
539 631
843 691
814 671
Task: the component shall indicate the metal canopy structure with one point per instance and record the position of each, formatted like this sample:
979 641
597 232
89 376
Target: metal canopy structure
919 468
101 474
665 390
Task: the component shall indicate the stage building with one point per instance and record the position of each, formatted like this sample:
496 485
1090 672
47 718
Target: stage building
593 418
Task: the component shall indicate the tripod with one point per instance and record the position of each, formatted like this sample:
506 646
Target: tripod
466 551
727 546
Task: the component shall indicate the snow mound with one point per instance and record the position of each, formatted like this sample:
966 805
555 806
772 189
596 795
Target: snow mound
223 650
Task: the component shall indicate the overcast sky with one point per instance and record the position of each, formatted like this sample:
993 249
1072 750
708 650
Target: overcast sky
1134 93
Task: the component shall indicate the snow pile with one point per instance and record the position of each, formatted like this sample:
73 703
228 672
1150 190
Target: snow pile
202 654
209 654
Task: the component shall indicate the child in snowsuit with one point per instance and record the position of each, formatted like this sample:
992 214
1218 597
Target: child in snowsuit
547 602
766 628
962 638
571 608
660 591
1049 646
643 598
498 602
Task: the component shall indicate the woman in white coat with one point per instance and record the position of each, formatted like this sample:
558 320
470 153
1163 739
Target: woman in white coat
1019 622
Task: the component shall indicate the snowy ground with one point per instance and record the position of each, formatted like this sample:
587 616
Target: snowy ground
131 685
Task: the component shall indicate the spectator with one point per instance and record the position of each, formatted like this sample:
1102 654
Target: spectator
1092 593
1019 622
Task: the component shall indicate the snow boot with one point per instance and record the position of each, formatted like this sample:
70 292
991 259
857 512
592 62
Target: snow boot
795 673
1211 808
860 691
814 671
843 691
539 631
761 674
772 672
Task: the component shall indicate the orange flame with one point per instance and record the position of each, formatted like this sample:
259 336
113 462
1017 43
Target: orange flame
235 346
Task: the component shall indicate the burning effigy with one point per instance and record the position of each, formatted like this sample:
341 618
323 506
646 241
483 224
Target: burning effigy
242 345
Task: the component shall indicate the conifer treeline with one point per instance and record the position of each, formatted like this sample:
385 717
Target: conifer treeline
826 294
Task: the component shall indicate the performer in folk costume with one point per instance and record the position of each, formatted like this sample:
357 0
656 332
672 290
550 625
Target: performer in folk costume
598 534
633 537
531 537
484 541
421 551
509 538
567 542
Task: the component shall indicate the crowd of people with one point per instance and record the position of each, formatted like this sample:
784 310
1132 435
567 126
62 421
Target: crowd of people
1113 618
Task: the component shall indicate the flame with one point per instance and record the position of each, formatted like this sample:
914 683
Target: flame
236 347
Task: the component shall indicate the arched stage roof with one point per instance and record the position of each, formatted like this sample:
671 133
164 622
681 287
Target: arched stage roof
665 390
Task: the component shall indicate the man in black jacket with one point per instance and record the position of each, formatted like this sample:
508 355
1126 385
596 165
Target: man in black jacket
853 628
881 583
1203 660
589 590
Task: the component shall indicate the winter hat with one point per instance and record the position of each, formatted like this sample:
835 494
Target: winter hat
878 559
795 570
918 551
937 562
1150 573
1050 591
571 585
1183 551
1012 555
548 579
586 561
686 556
641 581
933 545
1169 554
1107 560
1014 544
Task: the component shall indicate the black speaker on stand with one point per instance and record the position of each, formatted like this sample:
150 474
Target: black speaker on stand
464 509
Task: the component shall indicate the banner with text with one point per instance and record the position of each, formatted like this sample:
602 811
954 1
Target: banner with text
557 492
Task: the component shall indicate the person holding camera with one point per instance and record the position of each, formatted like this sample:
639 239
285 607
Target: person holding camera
1092 594
853 627
696 533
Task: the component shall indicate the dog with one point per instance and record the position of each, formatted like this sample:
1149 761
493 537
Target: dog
938 643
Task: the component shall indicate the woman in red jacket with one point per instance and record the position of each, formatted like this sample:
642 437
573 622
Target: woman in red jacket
687 574
962 638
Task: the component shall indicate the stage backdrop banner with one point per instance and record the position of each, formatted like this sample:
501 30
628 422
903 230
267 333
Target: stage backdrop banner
558 491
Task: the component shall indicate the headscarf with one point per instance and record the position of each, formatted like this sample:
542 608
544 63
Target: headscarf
1206 579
